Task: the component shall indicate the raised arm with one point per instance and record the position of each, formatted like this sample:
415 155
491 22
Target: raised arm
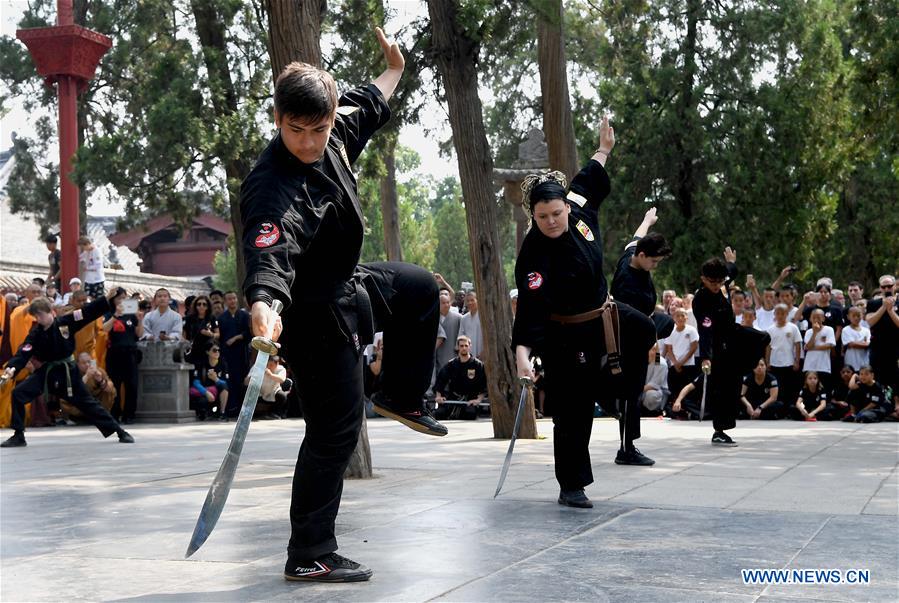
388 80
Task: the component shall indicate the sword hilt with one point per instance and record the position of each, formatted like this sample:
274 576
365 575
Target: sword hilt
525 382
264 343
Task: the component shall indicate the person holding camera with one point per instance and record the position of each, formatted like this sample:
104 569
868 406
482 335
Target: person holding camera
52 341
124 328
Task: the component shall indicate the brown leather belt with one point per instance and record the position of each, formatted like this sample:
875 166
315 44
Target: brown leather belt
609 313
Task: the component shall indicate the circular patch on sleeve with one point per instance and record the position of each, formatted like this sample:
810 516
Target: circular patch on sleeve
268 235
707 322
535 280
26 347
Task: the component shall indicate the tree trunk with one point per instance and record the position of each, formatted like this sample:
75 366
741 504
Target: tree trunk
457 55
390 214
685 188
294 32
558 125
294 35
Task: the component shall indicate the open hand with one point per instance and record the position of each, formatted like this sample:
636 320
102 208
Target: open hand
730 255
606 136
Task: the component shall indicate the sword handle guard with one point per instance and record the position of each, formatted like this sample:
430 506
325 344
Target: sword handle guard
706 369
525 382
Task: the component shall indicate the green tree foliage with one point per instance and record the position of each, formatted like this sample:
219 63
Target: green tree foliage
225 267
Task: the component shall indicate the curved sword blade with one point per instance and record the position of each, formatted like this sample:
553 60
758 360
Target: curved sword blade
508 460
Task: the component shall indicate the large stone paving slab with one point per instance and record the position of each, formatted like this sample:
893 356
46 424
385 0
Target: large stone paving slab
83 519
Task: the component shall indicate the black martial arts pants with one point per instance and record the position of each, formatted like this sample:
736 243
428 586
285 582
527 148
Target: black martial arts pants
576 380
121 365
33 386
325 353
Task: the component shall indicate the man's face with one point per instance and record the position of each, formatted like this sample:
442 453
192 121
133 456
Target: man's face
445 303
712 284
471 302
551 217
464 349
823 297
51 246
667 296
215 297
231 301
217 308
787 297
161 300
855 293
32 291
84 363
304 139
887 287
768 299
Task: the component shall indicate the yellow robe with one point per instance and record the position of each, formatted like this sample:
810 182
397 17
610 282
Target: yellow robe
20 323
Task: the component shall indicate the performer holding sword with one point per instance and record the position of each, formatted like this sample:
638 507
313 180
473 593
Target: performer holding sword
302 239
590 349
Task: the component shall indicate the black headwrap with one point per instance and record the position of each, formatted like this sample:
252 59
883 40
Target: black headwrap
546 191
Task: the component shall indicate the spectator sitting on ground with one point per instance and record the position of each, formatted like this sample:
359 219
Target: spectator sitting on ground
760 394
163 324
838 405
655 392
462 379
812 399
209 384
689 401
272 402
97 382
867 399
856 340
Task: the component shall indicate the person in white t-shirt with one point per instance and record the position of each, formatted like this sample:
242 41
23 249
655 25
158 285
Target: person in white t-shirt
784 355
764 314
819 341
680 351
856 340
91 260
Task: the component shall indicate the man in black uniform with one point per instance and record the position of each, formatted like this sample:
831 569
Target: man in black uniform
561 289
632 284
461 379
302 239
52 341
717 337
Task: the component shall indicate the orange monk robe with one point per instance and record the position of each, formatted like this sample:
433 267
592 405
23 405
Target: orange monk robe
86 339
20 323
101 345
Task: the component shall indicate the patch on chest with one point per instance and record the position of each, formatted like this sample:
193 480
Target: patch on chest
585 230
64 331
471 373
268 235
535 280
707 321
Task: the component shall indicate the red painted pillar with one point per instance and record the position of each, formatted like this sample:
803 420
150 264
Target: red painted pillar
66 54
68 191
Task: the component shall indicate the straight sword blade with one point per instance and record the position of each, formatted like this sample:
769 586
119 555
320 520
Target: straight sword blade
508 459
221 485
705 389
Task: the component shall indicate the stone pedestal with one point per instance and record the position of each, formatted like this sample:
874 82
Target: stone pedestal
163 383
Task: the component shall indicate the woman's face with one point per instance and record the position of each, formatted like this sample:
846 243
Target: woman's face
551 217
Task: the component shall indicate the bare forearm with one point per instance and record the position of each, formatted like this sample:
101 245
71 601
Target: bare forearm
388 81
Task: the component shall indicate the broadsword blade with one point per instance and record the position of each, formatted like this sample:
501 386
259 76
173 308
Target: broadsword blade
508 459
221 485
705 389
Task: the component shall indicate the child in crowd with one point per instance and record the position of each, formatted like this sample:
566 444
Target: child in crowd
838 405
868 402
760 393
856 340
812 399
819 341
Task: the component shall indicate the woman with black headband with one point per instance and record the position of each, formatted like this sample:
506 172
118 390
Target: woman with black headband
590 351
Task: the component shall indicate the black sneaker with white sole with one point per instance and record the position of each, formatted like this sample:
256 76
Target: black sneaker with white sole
722 439
327 568
419 419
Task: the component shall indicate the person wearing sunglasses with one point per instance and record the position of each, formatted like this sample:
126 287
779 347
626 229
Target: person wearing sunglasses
209 384
884 324
201 328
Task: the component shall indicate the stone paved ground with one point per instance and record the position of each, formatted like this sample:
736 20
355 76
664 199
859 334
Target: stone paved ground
86 519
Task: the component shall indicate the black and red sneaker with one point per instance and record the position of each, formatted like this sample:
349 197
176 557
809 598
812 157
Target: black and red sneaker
327 568
420 419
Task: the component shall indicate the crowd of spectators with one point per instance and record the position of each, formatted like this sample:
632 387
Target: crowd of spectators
831 357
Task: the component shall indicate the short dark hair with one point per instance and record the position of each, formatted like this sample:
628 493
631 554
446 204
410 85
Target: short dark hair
305 91
855 284
40 304
51 238
771 289
216 292
714 268
653 245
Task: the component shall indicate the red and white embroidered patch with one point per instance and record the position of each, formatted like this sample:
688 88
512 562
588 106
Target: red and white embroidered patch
535 280
26 347
269 234
707 322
